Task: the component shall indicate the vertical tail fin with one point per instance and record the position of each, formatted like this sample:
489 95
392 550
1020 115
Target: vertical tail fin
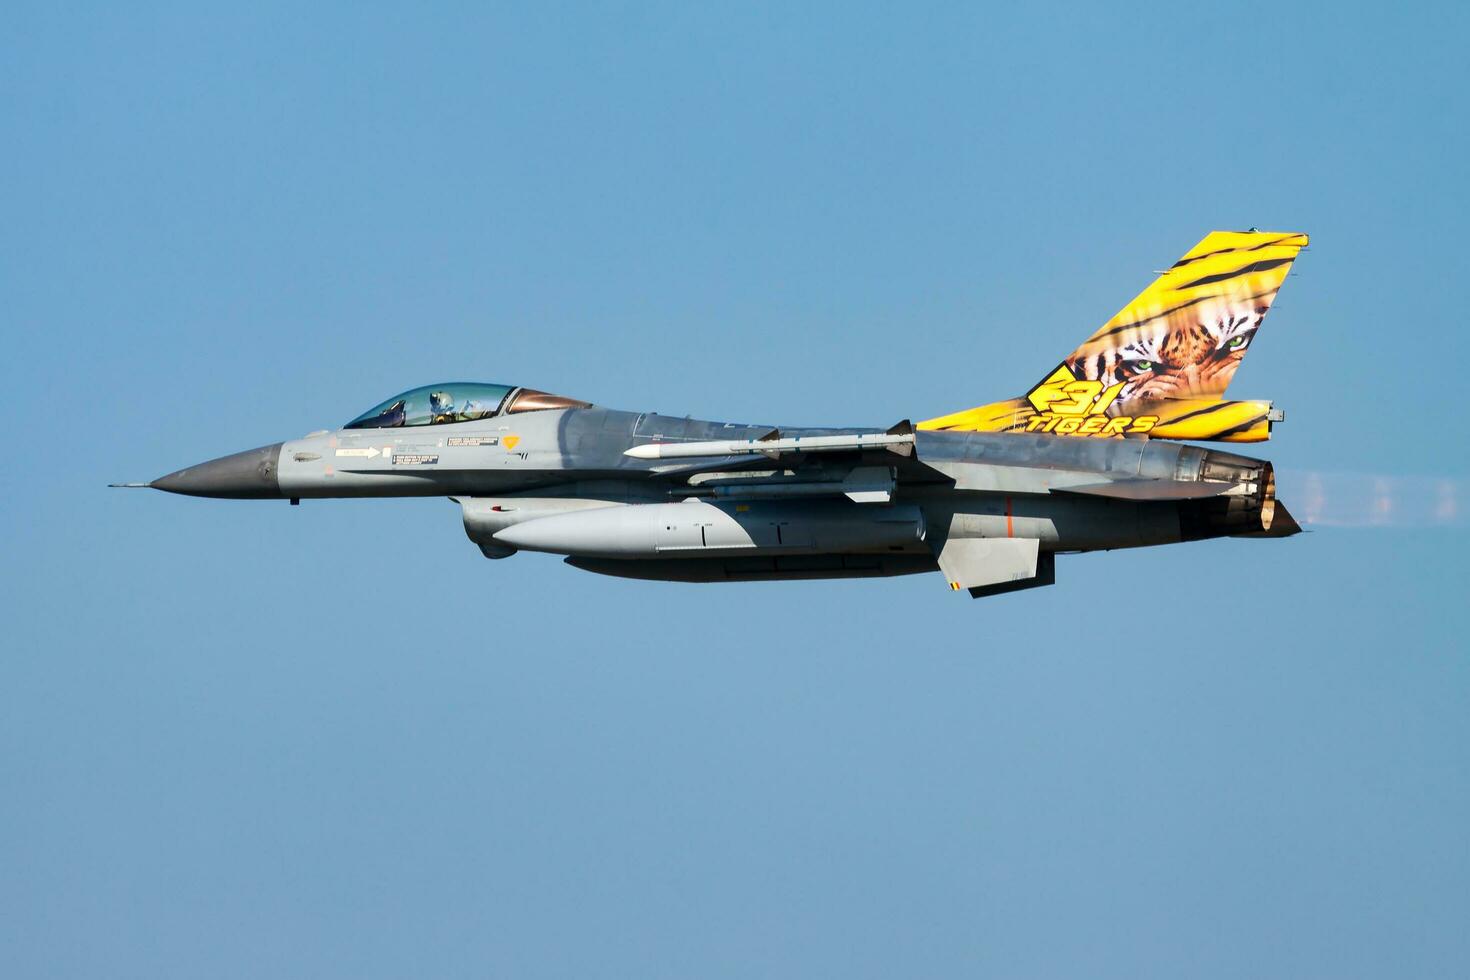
1168 355
1186 334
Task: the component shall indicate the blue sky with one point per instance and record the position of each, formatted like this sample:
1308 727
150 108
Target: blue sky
239 739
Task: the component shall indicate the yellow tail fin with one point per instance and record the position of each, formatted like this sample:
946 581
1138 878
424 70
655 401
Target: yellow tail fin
1162 364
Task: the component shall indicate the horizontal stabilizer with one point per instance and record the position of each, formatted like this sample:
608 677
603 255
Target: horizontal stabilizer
1283 525
1152 489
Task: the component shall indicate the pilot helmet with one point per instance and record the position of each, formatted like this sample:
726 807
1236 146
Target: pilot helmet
441 402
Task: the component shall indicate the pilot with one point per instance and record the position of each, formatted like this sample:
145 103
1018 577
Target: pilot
441 407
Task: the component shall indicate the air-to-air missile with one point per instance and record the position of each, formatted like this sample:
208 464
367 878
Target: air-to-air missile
1087 459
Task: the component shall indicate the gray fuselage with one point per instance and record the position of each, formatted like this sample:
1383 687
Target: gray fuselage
562 481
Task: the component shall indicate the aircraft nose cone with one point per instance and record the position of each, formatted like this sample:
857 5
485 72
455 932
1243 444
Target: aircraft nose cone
247 475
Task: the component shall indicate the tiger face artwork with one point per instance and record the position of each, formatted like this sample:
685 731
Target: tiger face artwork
1186 334
1161 365
1184 356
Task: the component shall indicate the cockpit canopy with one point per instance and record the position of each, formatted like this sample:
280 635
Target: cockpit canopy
457 401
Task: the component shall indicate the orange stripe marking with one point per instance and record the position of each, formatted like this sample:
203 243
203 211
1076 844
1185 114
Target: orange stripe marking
1010 526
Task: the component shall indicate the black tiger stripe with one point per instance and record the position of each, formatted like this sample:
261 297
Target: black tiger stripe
1265 265
1198 412
1243 427
1268 296
1223 251
1150 319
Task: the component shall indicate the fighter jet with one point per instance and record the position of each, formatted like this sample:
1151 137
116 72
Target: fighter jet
1087 459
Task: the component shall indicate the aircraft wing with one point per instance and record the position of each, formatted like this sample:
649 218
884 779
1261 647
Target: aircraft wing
860 466
898 440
